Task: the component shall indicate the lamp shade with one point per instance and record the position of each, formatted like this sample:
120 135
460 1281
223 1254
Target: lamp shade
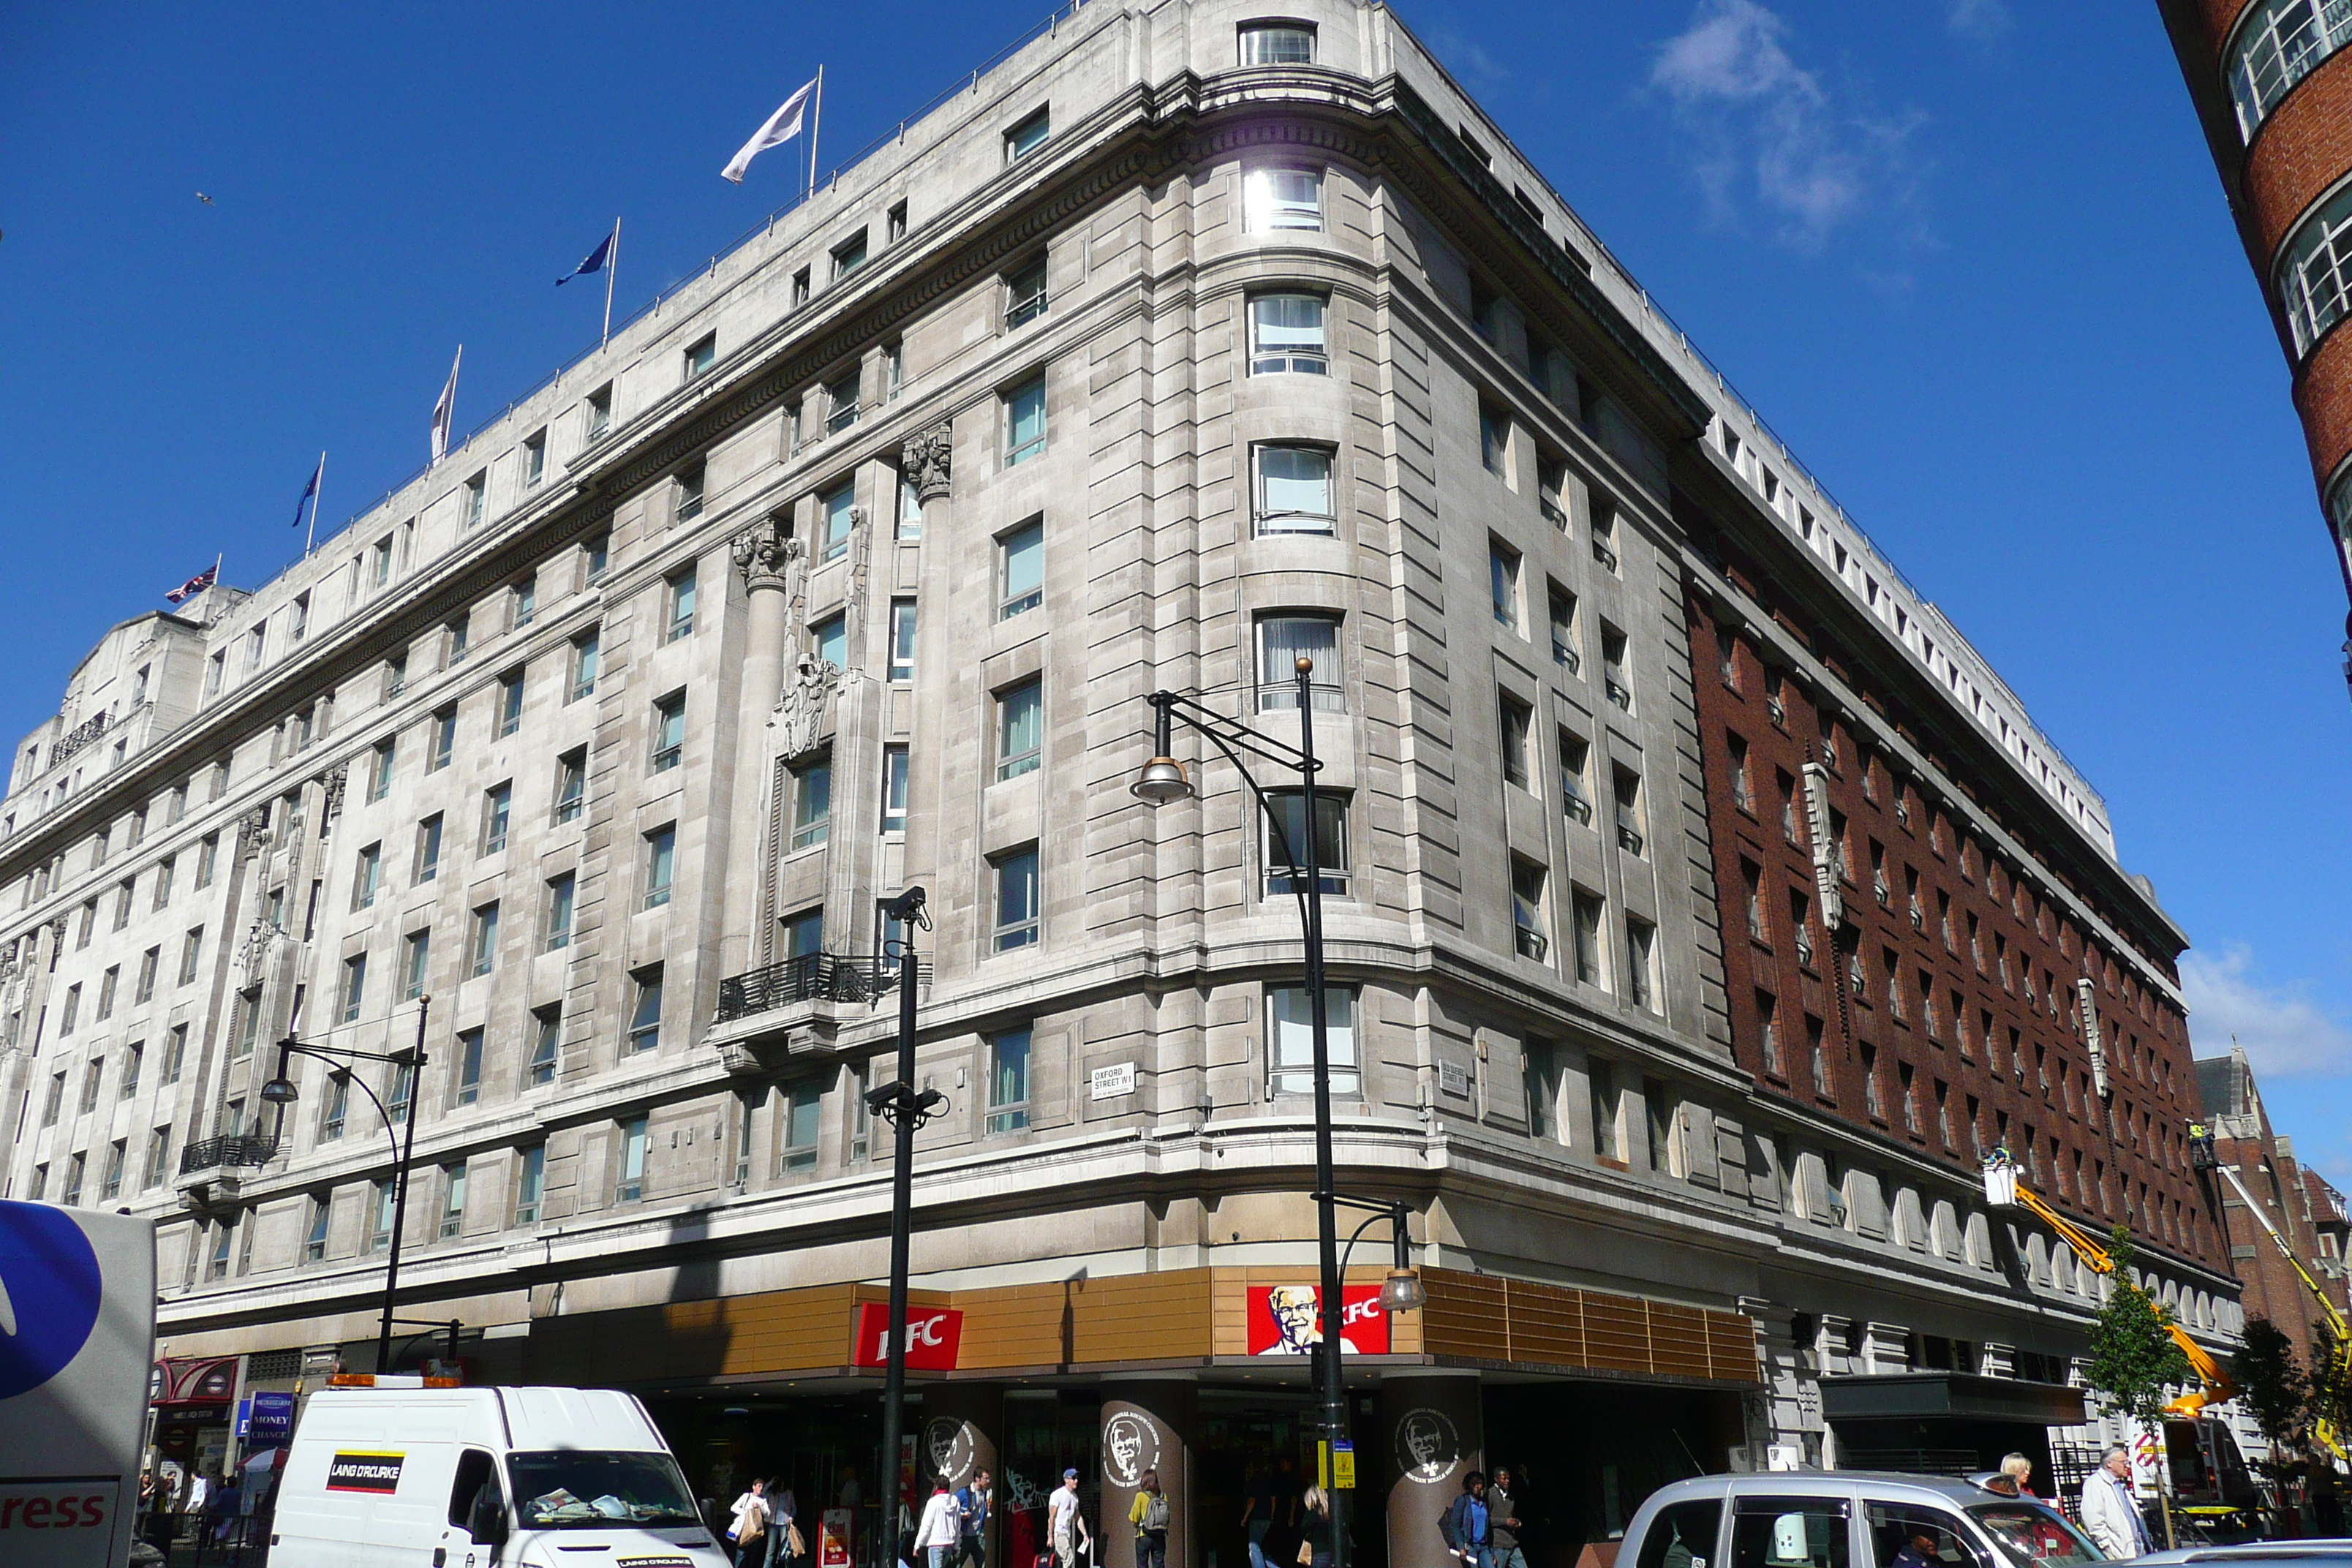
1402 1291
1161 780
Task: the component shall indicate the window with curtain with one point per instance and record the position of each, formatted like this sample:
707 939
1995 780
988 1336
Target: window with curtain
1283 639
1290 1039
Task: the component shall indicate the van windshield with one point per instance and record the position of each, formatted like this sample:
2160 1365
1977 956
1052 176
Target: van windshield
573 1488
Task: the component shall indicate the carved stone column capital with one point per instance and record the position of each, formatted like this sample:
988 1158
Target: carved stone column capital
929 457
765 553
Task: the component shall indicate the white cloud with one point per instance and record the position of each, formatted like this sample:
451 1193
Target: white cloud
2286 1034
1982 20
1763 128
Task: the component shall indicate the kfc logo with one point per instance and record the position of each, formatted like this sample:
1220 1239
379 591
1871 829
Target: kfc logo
1130 1446
1428 1446
1287 1320
934 1334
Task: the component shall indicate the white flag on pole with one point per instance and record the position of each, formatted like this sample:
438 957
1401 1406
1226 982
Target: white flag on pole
781 127
446 407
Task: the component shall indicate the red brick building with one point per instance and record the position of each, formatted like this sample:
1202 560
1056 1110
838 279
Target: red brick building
2271 83
1925 932
2309 1211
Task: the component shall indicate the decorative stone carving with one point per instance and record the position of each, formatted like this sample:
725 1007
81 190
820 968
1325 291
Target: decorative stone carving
253 950
804 714
765 553
334 781
253 831
928 458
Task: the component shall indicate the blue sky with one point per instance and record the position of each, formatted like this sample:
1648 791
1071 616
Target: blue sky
1969 258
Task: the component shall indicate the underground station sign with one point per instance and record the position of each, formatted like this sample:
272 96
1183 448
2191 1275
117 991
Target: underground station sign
933 1336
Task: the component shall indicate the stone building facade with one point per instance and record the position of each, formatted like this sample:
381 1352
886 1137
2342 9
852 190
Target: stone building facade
1187 340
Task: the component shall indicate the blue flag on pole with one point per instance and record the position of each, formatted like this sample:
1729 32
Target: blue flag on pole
595 262
309 492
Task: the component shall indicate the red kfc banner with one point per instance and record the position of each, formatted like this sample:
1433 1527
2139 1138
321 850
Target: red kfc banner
1287 1320
933 1336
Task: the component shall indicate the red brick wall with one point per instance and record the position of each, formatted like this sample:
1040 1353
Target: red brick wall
2040 1083
2301 149
2220 17
2324 397
2272 1291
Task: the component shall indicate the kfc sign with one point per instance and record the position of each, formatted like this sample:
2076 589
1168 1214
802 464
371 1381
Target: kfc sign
933 1334
1287 1320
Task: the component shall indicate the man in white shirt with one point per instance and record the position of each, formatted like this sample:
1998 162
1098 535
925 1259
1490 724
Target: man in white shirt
935 1537
2111 1507
1065 1527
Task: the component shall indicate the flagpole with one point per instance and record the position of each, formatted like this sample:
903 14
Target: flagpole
318 491
612 265
817 120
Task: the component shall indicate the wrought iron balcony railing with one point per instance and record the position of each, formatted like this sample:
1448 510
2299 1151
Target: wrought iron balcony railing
858 978
237 1149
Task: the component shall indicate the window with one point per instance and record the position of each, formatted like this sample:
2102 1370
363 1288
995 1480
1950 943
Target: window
93 1077
1276 199
1283 639
441 740
831 637
1530 926
669 732
838 515
1028 135
802 1105
1021 569
849 255
1025 421
910 506
1294 490
1287 335
1277 44
800 297
482 952
644 1017
661 858
1503 582
2279 43
457 637
1493 439
1870 1091
1290 1038
1626 787
531 1181
630 1185
1016 898
804 934
428 849
207 853
214 672
686 492
1514 732
547 1034
902 640
701 354
380 559
600 412
255 646
1640 964
354 988
122 895
894 789
812 802
1285 843
571 785
1615 681
534 459
1768 1033
106 985
453 1199
1604 533
1020 728
841 401
1743 790
191 949
595 555
1008 1081
497 811
1562 609
1024 293
149 962
1576 799
415 958
175 1052
894 223
1587 911
557 933
368 878
583 666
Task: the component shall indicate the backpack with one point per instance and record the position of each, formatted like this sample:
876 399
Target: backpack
1155 1511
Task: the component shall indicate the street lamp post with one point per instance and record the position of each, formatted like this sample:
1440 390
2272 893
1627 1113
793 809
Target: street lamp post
281 1092
899 1104
1163 782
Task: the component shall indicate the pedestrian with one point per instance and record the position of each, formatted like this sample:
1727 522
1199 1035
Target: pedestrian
1065 1527
1503 1525
973 1500
1149 1514
1257 1513
2111 1507
1314 1529
2019 1468
748 1526
936 1536
784 1533
1464 1524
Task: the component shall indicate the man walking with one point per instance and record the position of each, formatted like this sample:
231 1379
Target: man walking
936 1536
1064 1525
1464 1525
1503 1525
974 1500
2111 1507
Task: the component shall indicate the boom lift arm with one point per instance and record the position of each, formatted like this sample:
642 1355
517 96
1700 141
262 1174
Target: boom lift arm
2005 1189
2333 1377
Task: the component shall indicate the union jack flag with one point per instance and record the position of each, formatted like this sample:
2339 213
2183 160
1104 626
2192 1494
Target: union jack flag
193 586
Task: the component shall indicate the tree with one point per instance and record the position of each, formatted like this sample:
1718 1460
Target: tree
2275 1386
2134 1357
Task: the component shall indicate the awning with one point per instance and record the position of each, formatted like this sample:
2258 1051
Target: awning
1914 1394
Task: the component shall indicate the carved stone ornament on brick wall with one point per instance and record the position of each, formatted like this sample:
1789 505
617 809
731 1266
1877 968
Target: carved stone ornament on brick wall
765 553
804 715
929 458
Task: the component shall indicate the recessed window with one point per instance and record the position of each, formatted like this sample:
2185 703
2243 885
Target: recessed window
595 555
522 603
1277 44
910 506
1275 199
701 354
368 878
1530 925
894 222
830 638
510 709
534 458
1028 135
2279 43
482 952
1008 1081
1587 913
894 789
1503 581
498 813
902 640
1494 438
801 286
1016 900
644 1016
837 514
629 1182
1515 731
661 864
802 1106
669 733
1604 533
1024 293
1287 335
1283 639
689 485
1285 843
1640 964
546 1045
415 959
354 990
1294 490
476 499
585 651
1562 610
531 1181
1025 421
681 594
849 255
1021 569
561 892
841 404
428 849
1615 681
1290 1039
571 785
600 412
442 740
469 1065
1020 729
812 802
1626 785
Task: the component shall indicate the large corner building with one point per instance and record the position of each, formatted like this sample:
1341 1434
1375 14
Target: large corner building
1701 906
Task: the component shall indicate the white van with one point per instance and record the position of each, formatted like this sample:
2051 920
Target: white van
393 1474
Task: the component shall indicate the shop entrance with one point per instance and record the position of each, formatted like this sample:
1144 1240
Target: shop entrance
1047 1431
1584 1455
821 1449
